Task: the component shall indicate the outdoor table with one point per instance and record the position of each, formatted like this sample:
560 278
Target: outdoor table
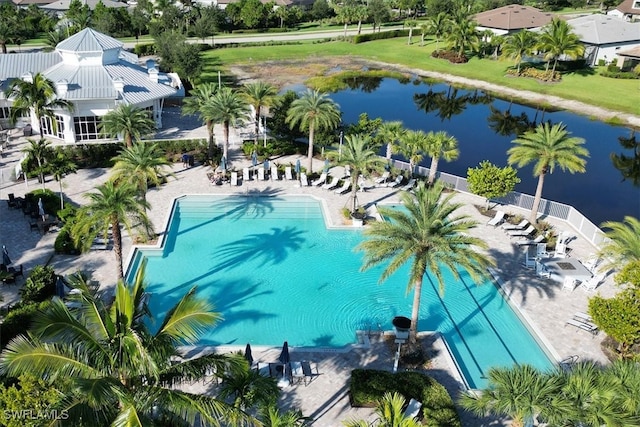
566 267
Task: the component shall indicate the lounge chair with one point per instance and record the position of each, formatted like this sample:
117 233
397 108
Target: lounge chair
560 250
308 373
347 171
409 185
529 262
287 174
274 173
297 375
246 175
331 185
345 187
413 409
592 262
541 250
528 242
497 219
261 174
383 178
363 185
319 181
590 285
569 283
396 182
234 179
585 326
521 233
304 181
520 226
541 271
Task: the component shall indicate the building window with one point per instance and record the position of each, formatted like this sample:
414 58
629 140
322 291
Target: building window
87 128
4 112
53 127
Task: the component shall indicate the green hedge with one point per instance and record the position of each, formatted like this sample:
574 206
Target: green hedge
368 386
361 38
145 49
40 285
18 320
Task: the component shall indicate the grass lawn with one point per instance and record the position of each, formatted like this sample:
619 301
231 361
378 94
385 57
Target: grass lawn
586 86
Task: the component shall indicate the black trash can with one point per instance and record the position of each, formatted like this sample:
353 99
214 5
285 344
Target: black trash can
27 131
401 323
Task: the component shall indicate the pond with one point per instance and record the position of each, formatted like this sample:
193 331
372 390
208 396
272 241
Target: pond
485 126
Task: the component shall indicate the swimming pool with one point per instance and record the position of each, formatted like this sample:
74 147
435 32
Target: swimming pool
275 272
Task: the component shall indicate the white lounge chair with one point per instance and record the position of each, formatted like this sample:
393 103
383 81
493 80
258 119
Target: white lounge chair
585 326
541 270
560 250
590 285
528 242
396 182
304 182
520 226
529 262
521 233
246 175
497 219
234 179
345 187
297 375
261 176
569 283
592 262
383 178
413 409
363 185
331 185
274 173
347 171
409 185
541 250
319 181
287 174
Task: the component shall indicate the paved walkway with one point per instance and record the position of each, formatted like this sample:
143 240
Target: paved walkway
540 301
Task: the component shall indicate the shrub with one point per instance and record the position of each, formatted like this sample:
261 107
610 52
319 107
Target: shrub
50 200
64 242
450 56
145 49
368 386
627 75
542 75
18 320
40 284
361 38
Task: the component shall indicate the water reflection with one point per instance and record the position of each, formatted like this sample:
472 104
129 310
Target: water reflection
451 102
629 166
506 124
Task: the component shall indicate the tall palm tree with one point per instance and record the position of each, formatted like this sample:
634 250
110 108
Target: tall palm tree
557 39
429 234
228 108
391 133
438 26
270 416
547 147
37 95
111 207
463 36
39 151
390 413
411 24
259 94
248 389
194 103
440 145
345 14
61 165
623 242
360 154
413 146
116 370
313 111
129 122
517 45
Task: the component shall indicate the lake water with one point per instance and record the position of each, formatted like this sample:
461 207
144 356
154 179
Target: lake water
599 193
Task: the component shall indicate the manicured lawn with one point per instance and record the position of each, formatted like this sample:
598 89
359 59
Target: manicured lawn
588 87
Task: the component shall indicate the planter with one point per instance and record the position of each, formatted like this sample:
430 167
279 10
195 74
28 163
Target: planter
357 219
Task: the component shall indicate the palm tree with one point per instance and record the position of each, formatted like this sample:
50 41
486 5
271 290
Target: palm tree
38 94
518 45
111 207
557 39
623 242
61 165
359 153
39 151
313 111
413 146
115 370
248 388
438 26
440 145
344 15
391 133
228 108
194 103
259 94
412 23
390 412
429 234
270 416
128 121
547 147
463 36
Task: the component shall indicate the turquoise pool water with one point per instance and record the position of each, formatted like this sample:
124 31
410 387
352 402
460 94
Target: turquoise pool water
276 273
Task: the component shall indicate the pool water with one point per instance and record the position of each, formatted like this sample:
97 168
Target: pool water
276 273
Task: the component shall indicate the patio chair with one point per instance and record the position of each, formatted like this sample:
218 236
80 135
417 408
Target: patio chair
585 326
592 262
319 181
497 219
12 203
287 174
332 184
261 174
234 179
345 187
569 283
274 173
413 409
363 185
560 250
520 226
541 250
529 262
297 374
304 181
347 171
541 271
409 185
590 285
528 242
383 178
397 182
308 373
246 175
521 233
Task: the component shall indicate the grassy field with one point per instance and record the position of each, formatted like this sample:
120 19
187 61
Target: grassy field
586 86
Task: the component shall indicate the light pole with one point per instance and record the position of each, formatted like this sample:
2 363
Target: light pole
264 130
340 146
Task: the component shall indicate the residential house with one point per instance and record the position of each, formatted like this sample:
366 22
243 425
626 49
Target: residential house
511 19
629 10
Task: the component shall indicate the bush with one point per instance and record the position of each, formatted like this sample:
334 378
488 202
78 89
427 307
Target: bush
542 75
40 285
361 38
450 56
93 155
64 242
174 148
18 320
368 386
145 49
50 200
627 75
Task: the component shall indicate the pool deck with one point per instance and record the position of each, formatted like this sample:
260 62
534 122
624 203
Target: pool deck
541 301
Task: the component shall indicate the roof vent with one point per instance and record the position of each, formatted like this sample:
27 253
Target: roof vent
27 77
118 84
153 74
151 64
62 87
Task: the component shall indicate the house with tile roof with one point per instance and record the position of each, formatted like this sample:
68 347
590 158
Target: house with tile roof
629 10
95 73
511 19
604 36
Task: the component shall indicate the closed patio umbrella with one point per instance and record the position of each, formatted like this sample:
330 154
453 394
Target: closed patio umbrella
41 208
266 165
326 166
297 168
284 354
223 163
247 354
254 158
5 256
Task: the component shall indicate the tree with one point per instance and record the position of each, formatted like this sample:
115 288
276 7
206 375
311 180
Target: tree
248 389
359 154
79 14
547 147
113 369
379 11
557 39
619 317
39 151
228 108
345 15
194 104
390 413
321 10
313 111
9 24
127 121
110 208
32 393
413 146
440 145
259 94
61 165
490 181
623 242
430 235
37 95
438 25
518 45
463 36
391 133
411 24
270 416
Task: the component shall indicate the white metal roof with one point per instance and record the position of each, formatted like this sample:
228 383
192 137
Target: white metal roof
89 40
604 29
